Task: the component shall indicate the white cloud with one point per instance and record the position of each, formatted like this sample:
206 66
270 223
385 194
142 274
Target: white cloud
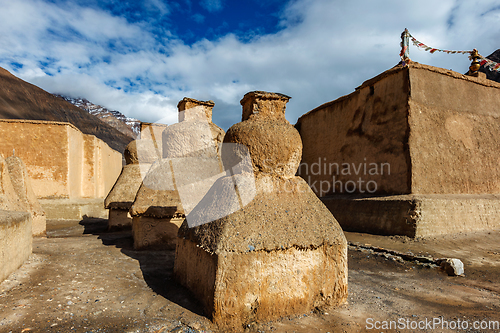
157 5
198 18
325 49
212 5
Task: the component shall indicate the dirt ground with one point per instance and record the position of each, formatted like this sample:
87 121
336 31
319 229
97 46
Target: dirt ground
82 278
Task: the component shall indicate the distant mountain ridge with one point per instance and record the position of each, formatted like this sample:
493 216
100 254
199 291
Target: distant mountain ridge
126 125
22 100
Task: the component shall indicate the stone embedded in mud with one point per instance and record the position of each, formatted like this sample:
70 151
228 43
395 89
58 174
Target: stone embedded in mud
139 155
272 248
453 266
175 184
27 199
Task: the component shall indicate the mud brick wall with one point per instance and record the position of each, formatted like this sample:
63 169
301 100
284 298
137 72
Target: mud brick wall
413 130
62 162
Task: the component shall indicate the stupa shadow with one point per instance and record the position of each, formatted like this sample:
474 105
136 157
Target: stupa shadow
156 264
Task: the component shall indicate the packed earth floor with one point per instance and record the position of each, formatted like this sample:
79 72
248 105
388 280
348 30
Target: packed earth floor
82 278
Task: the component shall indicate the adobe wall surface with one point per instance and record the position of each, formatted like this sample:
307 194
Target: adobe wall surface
455 126
48 167
74 209
419 130
110 167
61 161
90 172
416 215
101 167
440 214
438 131
359 141
15 241
75 162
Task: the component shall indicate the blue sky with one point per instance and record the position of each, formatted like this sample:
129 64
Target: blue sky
141 58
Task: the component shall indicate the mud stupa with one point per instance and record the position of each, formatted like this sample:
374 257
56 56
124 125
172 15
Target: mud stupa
174 185
139 156
8 196
263 245
16 233
27 199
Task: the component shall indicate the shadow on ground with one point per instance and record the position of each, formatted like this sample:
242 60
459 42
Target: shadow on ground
157 266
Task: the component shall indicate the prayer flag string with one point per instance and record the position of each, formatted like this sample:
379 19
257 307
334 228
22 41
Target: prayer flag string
487 63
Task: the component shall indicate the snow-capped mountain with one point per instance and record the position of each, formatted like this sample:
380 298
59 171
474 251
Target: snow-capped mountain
126 125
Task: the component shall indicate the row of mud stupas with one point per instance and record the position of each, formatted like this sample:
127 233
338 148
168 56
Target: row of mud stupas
253 242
